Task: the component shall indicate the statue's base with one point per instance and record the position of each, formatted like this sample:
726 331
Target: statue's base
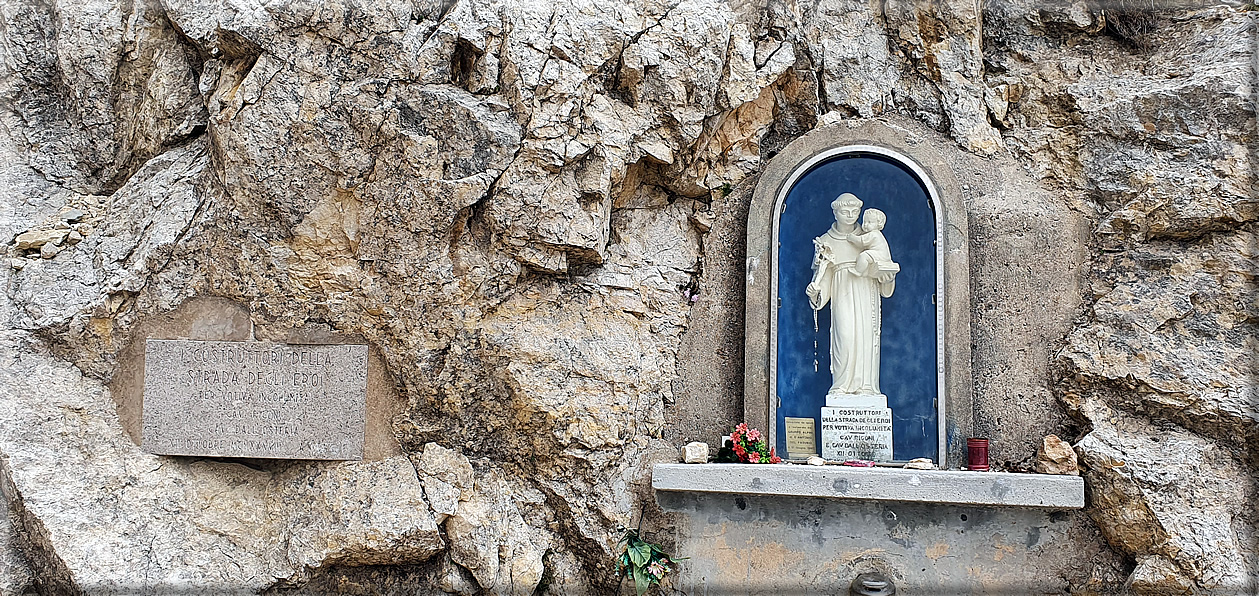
853 400
857 433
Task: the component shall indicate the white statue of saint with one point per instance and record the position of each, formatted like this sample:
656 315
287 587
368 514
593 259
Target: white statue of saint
853 271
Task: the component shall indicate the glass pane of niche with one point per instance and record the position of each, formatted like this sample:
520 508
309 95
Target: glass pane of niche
881 297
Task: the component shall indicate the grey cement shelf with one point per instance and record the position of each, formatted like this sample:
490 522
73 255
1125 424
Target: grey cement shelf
879 484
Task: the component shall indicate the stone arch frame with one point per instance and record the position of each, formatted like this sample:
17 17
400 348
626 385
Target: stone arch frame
917 149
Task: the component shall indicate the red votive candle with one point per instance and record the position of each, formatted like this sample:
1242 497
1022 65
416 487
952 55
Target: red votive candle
977 454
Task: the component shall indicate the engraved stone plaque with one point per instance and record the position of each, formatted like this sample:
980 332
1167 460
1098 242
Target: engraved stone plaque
254 399
857 433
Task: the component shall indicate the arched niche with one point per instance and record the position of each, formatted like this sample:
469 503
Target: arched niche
926 334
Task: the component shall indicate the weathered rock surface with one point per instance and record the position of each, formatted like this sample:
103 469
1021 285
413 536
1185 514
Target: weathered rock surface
1175 331
908 57
15 574
533 212
1159 491
1171 337
1158 154
219 527
95 89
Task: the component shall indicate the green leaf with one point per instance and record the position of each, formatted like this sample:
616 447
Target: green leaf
640 553
641 581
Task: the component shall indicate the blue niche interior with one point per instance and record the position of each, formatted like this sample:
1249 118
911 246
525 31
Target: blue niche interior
907 372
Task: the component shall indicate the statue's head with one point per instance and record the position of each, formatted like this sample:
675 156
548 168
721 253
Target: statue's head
873 220
847 208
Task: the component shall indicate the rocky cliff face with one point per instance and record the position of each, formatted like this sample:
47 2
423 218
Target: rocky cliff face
532 212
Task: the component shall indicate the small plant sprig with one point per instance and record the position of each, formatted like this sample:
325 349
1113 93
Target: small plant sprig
750 446
643 561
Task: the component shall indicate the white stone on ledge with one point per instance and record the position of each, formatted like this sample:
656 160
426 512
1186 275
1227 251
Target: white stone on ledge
878 484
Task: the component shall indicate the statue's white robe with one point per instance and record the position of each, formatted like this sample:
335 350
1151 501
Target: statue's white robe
856 315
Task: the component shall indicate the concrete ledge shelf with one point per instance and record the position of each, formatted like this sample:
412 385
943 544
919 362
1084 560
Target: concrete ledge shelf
999 489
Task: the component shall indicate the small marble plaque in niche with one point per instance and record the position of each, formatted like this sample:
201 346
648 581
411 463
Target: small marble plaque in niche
254 399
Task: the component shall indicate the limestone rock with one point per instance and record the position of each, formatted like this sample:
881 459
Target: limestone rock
1157 490
15 575
457 580
447 477
1171 331
1158 575
363 513
509 201
1068 15
920 463
35 239
1153 177
223 527
884 58
695 453
1055 456
1161 366
72 215
100 87
146 217
491 538
486 520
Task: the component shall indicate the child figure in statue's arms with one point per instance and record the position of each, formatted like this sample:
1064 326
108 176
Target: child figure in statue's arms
876 258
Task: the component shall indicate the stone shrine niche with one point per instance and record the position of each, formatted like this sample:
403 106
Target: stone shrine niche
858 303
858 306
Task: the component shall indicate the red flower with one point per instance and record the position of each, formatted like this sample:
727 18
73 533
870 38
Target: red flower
750 445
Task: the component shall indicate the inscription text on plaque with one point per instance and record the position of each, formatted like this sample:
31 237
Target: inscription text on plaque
254 399
857 433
